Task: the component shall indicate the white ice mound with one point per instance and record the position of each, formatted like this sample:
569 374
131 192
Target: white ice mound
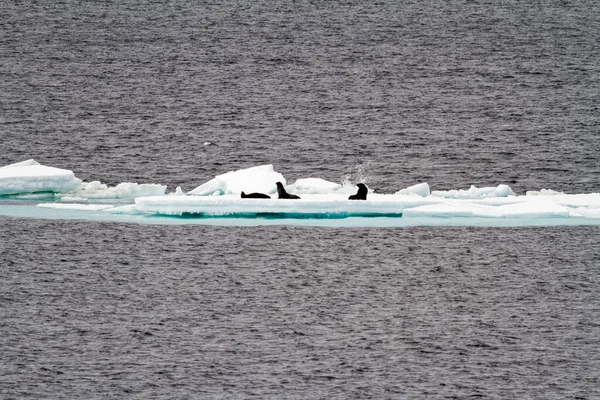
420 189
178 192
260 179
475 193
25 163
128 190
31 177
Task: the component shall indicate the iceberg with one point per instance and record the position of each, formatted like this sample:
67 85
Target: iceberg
30 180
31 177
261 178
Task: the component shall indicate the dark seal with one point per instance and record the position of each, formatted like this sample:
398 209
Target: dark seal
255 196
361 194
283 194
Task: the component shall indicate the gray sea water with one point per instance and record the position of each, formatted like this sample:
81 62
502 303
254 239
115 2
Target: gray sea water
393 93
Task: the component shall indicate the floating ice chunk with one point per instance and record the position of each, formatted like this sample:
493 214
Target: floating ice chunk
74 206
31 177
475 193
110 208
420 189
503 191
178 192
94 186
89 190
215 186
261 179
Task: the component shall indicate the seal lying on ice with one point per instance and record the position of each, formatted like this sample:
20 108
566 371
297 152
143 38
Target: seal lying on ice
361 194
283 194
255 196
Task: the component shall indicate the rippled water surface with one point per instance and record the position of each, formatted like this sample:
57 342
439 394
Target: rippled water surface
389 92
94 310
453 94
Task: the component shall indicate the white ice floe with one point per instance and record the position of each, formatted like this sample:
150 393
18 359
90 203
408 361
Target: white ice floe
261 179
75 206
324 199
31 177
30 180
337 206
320 199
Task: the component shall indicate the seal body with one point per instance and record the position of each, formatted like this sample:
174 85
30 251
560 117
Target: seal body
283 194
361 194
255 196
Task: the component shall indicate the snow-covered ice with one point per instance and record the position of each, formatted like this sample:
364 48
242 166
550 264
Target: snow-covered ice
408 206
261 178
421 189
31 177
75 206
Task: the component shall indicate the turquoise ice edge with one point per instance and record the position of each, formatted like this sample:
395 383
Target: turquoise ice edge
31 210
